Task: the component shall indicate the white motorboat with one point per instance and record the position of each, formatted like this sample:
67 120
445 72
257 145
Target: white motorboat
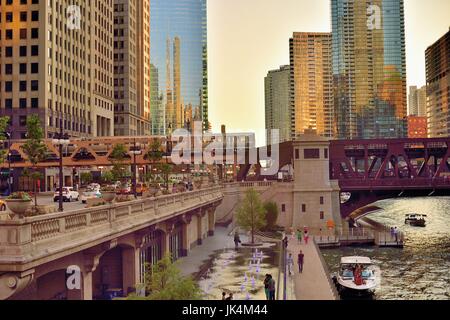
357 275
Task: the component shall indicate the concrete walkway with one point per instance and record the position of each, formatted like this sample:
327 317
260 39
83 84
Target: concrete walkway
199 254
313 283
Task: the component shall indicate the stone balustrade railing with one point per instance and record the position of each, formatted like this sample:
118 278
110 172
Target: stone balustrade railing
18 237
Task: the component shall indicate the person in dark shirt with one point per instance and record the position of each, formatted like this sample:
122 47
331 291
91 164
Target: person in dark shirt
300 261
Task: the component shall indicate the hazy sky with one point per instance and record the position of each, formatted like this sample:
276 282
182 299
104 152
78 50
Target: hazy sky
247 38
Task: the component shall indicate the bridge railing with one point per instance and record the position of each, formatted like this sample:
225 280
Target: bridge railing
397 183
106 219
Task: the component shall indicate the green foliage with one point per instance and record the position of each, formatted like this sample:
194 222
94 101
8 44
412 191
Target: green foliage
34 148
117 158
86 177
251 212
20 196
164 281
155 153
107 177
271 217
3 126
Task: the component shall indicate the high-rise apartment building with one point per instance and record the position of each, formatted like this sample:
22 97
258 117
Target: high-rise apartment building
56 62
438 87
369 68
311 84
179 53
132 67
277 103
417 100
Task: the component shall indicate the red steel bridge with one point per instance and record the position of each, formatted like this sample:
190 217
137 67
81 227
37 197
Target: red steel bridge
372 170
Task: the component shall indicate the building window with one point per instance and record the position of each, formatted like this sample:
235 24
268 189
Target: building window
23 16
8 86
23 51
34 68
283 208
34 50
322 215
311 153
8 34
8 103
34 33
22 103
34 85
8 68
34 15
321 200
23 33
303 207
9 52
297 154
22 86
34 103
325 153
23 68
9 17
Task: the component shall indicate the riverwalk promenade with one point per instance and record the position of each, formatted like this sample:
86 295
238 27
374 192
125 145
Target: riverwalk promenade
313 283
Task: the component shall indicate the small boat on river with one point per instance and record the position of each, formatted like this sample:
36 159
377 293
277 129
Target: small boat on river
415 219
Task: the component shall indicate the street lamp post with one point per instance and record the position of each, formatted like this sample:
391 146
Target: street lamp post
60 139
8 134
135 151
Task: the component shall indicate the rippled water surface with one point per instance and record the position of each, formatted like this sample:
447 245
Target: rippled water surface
240 272
421 270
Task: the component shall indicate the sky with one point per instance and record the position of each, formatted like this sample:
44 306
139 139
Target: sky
247 38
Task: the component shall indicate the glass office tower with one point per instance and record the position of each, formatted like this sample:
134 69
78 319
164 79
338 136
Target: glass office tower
369 68
179 56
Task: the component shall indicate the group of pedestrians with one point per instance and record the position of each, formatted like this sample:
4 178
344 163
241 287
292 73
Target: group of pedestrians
300 262
302 234
394 233
269 287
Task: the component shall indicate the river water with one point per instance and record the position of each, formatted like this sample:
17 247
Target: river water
421 270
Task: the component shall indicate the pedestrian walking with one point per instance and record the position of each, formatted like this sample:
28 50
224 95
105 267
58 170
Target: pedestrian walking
396 234
392 232
285 242
290 264
237 240
300 261
271 288
306 236
224 296
299 236
266 286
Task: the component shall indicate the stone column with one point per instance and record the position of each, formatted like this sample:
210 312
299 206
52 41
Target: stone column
185 239
199 229
211 221
130 269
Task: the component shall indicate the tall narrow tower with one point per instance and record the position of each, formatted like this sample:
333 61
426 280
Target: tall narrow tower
178 116
170 125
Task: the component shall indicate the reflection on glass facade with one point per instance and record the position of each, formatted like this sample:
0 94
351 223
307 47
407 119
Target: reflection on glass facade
369 68
179 64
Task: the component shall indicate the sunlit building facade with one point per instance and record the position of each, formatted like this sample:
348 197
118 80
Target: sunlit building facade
132 67
369 68
311 84
417 101
277 103
57 66
179 54
438 87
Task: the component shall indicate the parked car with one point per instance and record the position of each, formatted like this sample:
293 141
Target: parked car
90 193
68 193
124 189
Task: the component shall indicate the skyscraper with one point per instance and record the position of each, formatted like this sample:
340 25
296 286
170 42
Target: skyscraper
438 87
369 68
417 100
277 103
132 67
157 112
50 66
311 83
179 52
